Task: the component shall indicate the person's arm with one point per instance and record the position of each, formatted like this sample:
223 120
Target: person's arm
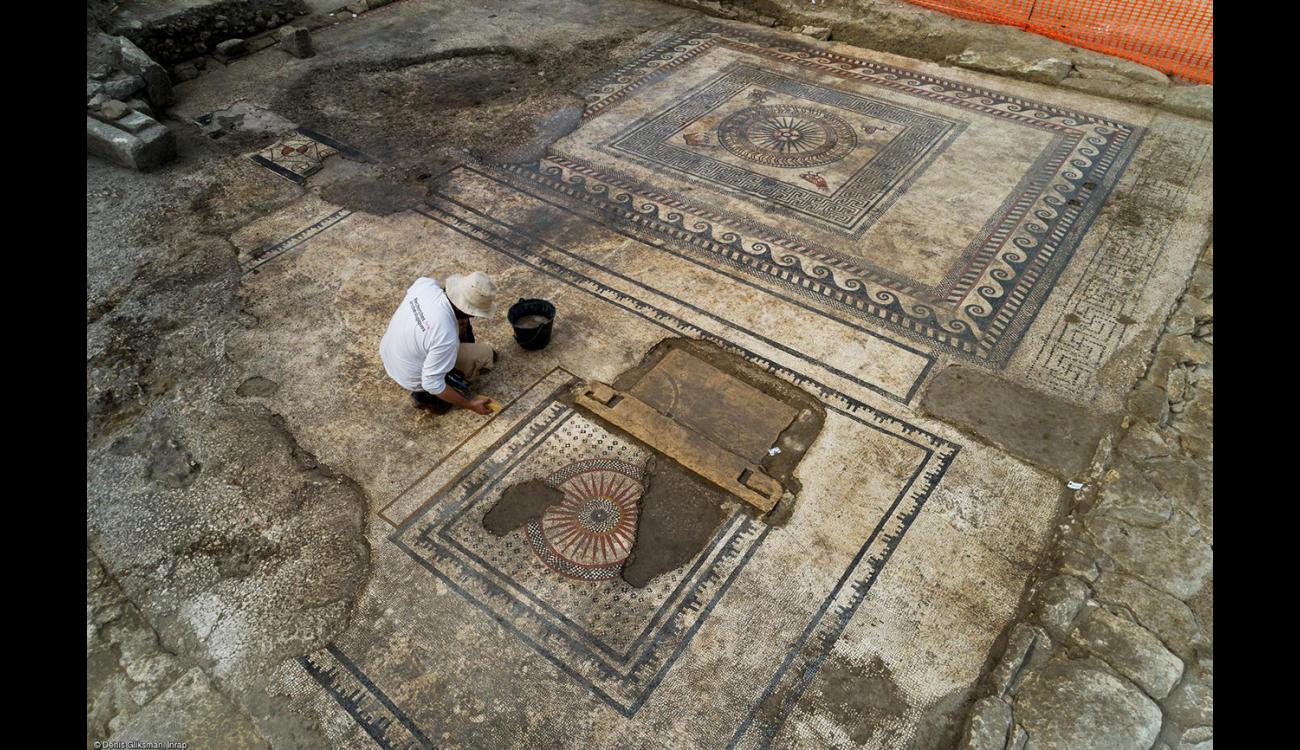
477 404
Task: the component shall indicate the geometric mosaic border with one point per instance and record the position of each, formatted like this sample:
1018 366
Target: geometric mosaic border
538 252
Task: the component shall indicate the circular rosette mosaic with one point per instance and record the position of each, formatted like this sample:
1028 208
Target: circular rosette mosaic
589 534
791 136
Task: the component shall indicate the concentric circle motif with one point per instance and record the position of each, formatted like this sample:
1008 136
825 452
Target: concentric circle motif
780 135
590 532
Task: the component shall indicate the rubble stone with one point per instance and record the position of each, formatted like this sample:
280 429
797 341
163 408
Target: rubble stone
122 85
134 122
185 72
1191 703
1057 604
820 33
147 149
140 105
1028 647
113 109
134 61
990 719
296 41
232 48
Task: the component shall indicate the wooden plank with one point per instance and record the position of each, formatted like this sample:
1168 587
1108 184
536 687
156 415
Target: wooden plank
718 465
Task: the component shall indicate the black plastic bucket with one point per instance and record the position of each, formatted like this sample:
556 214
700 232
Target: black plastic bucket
525 317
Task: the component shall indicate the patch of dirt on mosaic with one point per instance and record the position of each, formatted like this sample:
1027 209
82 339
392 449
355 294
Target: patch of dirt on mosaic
863 699
496 103
520 504
679 514
1049 432
376 195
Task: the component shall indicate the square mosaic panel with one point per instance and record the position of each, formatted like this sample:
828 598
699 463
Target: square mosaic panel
822 153
935 208
617 640
294 157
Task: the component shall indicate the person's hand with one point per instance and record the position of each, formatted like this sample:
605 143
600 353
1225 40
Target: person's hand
479 405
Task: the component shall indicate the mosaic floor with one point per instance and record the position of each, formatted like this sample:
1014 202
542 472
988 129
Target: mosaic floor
848 222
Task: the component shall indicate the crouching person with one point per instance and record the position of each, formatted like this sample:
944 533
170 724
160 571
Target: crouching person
430 342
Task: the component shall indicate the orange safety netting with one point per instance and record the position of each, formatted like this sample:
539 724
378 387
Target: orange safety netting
1174 36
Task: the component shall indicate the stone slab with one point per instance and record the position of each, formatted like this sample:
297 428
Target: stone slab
735 416
731 472
147 149
1048 431
1081 707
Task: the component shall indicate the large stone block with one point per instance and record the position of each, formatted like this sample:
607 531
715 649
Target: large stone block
194 711
1193 101
149 148
1171 620
232 48
1177 559
1072 706
1039 70
158 86
296 41
1131 649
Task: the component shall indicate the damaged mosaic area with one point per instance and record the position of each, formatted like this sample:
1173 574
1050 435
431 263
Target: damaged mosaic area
594 619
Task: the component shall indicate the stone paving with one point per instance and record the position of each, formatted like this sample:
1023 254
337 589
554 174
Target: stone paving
1118 648
137 688
771 200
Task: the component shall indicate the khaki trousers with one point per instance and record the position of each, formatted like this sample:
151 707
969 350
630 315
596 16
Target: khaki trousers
475 359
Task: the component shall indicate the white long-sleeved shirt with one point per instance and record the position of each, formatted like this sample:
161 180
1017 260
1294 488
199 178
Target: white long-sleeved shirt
422 340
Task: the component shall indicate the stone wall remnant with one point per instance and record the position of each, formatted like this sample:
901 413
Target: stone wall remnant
125 91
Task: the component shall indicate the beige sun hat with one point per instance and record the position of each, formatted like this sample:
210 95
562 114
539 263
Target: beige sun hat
474 294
